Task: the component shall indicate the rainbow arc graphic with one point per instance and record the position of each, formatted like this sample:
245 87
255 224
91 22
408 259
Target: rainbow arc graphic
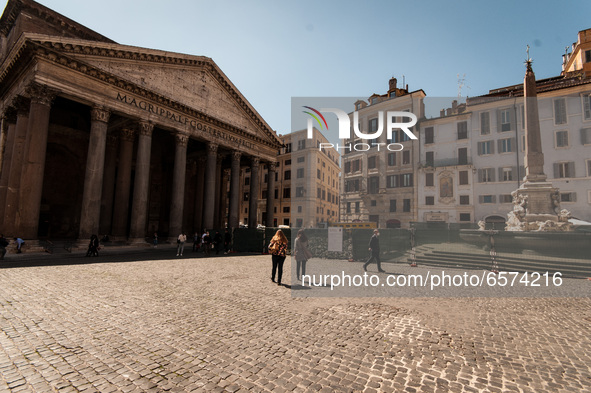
315 115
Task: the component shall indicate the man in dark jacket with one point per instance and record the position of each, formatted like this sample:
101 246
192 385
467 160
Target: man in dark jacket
374 248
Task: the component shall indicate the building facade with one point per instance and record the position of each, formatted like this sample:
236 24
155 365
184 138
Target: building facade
379 181
307 183
99 137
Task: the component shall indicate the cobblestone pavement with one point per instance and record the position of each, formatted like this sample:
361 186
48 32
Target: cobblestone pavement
143 323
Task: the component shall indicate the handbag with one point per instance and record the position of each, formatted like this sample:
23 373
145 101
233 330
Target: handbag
308 253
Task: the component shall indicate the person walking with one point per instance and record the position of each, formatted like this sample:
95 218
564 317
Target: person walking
206 243
227 241
217 242
196 241
302 253
3 245
19 244
181 244
374 248
278 248
155 241
93 246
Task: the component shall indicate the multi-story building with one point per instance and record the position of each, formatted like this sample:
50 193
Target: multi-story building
378 182
306 183
495 145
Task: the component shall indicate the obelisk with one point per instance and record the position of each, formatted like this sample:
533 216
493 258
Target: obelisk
536 204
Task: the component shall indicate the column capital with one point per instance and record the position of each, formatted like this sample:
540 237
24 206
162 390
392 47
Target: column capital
145 127
255 162
22 105
236 155
181 139
272 165
127 134
99 113
212 147
9 115
41 94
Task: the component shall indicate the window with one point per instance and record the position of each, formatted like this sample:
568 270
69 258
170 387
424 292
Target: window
429 179
357 207
347 166
463 178
485 147
245 197
487 199
405 136
586 136
484 123
276 193
287 192
374 100
429 136
406 157
464 217
486 175
350 186
429 158
504 120
299 192
506 174
464 199
564 169
394 138
288 148
406 205
299 210
505 198
588 168
348 207
324 195
392 205
373 125
506 145
568 197
374 203
392 158
300 173
301 159
392 181
285 209
429 200
561 138
372 162
406 180
318 174
287 175
356 165
463 156
247 181
374 185
560 111
587 106
302 144
462 130
287 162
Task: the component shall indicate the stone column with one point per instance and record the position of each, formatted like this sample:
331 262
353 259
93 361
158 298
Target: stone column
223 199
178 186
139 210
108 185
234 219
34 166
271 193
209 189
123 184
253 197
199 186
218 183
16 167
93 180
9 131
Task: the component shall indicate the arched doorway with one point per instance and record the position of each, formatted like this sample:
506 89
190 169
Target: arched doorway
495 222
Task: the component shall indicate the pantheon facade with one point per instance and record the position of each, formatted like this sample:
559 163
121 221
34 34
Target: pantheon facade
103 138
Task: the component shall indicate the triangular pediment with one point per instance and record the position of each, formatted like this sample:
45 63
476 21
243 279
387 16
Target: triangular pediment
192 81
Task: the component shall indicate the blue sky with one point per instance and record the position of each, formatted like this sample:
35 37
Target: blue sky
273 50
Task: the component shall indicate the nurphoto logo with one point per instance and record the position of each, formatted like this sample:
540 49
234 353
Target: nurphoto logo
345 128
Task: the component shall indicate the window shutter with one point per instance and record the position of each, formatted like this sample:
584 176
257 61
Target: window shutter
500 145
585 136
499 120
492 176
511 118
571 169
492 148
513 144
480 176
521 173
480 148
501 174
494 199
574 196
514 174
556 170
